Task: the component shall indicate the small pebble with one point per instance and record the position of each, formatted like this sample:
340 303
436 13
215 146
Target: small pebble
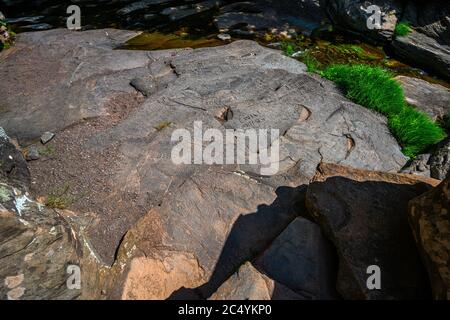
46 137
32 153
224 36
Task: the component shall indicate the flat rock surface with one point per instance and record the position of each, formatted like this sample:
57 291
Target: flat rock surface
111 153
432 99
425 52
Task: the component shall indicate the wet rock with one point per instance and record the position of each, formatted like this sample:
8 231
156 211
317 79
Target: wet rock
141 5
432 99
264 15
224 37
240 20
249 284
302 260
424 51
25 19
354 14
186 11
47 137
431 18
37 27
32 153
365 215
420 166
429 216
440 160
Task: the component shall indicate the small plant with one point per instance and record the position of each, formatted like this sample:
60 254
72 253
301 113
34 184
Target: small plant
402 29
162 125
59 199
374 88
5 195
288 48
48 151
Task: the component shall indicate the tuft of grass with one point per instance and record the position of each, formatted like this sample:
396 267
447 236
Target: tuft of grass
57 202
48 151
162 125
59 199
374 88
402 29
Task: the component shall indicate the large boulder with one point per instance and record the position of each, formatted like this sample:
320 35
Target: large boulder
431 18
365 215
440 160
352 15
429 216
248 17
419 49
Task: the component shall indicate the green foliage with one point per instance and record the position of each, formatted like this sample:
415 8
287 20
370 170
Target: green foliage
402 29
374 88
288 48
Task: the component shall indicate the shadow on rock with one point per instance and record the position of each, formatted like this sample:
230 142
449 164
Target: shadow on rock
246 239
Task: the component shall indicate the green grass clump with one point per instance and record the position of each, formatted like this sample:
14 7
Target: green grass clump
374 88
402 29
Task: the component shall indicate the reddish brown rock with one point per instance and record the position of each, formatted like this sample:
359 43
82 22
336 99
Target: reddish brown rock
365 215
250 284
429 216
